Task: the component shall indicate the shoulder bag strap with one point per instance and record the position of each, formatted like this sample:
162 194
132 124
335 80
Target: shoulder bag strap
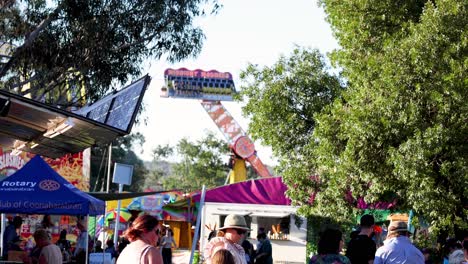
143 253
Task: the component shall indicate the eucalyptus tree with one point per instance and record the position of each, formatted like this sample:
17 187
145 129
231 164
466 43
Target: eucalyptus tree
68 51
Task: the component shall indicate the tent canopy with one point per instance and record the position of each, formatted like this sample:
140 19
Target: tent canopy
270 191
261 191
38 189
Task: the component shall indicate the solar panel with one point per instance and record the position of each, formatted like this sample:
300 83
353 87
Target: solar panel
100 113
118 110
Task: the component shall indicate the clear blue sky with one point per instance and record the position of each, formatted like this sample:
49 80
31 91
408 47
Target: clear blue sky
243 31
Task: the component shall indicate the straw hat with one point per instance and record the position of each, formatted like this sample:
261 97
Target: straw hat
235 221
397 226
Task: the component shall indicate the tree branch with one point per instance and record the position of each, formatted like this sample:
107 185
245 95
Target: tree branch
20 84
30 39
158 31
126 45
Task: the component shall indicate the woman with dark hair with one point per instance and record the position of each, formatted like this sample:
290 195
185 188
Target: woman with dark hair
62 242
64 245
47 222
329 248
142 235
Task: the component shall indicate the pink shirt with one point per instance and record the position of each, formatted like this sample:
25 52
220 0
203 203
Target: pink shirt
137 252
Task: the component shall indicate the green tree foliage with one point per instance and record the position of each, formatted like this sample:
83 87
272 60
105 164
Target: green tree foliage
162 151
282 99
201 163
281 102
121 153
153 179
399 129
65 46
158 169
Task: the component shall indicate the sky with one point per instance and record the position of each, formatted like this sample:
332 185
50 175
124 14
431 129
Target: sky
243 31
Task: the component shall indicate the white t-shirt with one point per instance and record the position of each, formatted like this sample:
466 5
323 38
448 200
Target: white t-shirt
167 241
52 254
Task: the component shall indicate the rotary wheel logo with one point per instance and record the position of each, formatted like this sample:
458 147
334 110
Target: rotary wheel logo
49 185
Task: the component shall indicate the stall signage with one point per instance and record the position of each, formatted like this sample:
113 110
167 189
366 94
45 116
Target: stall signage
183 72
46 185
18 184
10 163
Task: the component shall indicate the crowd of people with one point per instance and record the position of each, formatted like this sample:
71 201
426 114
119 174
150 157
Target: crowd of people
147 241
396 248
145 236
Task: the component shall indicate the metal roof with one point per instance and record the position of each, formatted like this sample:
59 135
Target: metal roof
35 127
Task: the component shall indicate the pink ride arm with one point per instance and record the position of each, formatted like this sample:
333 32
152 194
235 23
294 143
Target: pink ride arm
238 141
259 167
223 119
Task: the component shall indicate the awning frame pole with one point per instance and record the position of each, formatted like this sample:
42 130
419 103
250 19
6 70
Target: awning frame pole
117 217
197 227
109 163
1 232
87 239
104 232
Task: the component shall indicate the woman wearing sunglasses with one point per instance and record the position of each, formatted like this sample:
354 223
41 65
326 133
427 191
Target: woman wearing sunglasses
232 231
142 235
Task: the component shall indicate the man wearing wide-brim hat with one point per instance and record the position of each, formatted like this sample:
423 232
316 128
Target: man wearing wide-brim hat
232 231
397 247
